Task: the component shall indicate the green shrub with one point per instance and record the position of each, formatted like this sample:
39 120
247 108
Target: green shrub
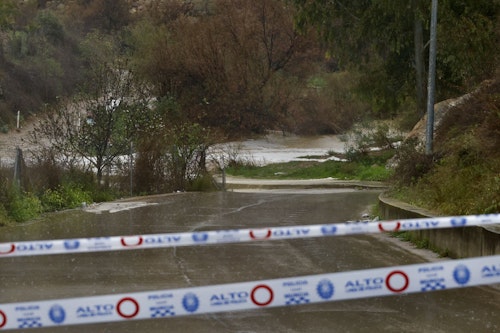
65 196
74 196
52 200
202 184
24 207
102 194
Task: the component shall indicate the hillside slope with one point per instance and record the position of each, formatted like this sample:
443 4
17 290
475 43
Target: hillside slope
463 174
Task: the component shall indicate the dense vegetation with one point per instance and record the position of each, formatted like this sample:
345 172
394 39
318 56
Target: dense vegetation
387 41
237 66
463 174
160 81
248 66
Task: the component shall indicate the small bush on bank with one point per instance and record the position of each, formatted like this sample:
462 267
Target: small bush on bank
16 205
103 194
65 196
203 183
411 163
46 187
24 207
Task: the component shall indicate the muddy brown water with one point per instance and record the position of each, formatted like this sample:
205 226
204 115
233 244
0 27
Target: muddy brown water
78 275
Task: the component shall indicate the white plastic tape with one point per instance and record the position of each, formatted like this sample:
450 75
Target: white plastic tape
116 243
387 281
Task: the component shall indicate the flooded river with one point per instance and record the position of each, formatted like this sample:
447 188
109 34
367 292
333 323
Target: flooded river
277 148
78 275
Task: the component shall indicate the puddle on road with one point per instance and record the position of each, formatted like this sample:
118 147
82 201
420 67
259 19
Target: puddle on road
114 207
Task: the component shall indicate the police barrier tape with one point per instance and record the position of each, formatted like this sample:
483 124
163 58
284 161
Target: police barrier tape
387 281
116 243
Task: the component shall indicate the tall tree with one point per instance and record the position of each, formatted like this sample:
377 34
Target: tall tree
221 68
100 123
385 37
99 126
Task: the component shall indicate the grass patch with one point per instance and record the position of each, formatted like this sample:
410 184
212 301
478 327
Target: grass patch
24 207
453 189
312 170
462 177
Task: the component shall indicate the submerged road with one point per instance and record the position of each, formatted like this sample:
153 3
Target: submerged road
79 275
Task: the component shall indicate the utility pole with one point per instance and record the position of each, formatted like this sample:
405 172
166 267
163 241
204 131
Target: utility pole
431 87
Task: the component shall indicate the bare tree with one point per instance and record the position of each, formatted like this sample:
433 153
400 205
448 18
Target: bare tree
99 125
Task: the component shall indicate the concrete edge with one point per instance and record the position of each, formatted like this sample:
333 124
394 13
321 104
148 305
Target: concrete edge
408 208
462 242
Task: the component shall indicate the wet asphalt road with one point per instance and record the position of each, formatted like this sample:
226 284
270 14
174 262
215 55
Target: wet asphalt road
75 275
